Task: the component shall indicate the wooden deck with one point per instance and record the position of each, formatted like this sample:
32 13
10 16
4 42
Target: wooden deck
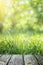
21 60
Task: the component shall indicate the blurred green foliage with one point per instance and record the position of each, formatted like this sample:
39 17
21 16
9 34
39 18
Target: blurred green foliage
22 14
21 26
21 44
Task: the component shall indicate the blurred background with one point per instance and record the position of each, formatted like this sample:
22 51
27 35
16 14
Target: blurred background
21 16
22 21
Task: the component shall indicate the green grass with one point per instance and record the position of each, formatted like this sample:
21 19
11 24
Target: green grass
21 43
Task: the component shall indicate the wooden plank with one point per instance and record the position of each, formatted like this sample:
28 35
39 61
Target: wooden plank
4 59
39 59
16 60
2 63
30 60
21 60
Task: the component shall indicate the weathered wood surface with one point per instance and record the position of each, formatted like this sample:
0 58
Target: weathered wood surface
16 60
39 59
21 60
30 60
4 59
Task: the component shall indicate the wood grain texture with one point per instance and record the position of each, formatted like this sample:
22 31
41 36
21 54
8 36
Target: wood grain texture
39 59
21 60
4 59
30 60
16 60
